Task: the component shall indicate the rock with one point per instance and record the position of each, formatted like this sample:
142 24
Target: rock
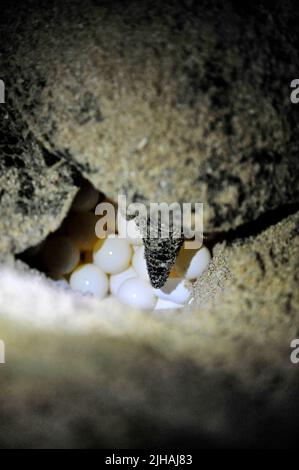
163 101
254 280
36 188
160 253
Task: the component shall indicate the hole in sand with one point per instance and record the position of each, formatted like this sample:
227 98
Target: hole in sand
113 265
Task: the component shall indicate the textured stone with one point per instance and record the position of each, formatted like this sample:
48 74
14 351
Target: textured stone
258 276
161 247
163 101
36 188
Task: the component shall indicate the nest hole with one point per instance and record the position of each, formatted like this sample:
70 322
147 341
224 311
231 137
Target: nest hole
112 262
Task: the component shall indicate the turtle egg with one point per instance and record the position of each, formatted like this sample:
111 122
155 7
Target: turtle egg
137 293
166 304
128 229
198 264
116 280
90 279
60 255
86 199
192 263
81 229
114 255
139 263
174 290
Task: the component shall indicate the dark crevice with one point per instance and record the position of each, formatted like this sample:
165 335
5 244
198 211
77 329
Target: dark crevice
253 228
50 159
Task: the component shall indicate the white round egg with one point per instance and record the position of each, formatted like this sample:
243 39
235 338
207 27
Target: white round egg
174 290
113 255
191 263
90 279
128 230
116 280
86 198
137 293
60 255
166 304
198 264
139 263
81 229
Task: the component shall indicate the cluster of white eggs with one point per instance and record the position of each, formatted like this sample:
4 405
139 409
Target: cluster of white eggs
115 265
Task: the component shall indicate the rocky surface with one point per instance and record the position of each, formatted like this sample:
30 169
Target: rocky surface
163 101
36 188
255 280
162 244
